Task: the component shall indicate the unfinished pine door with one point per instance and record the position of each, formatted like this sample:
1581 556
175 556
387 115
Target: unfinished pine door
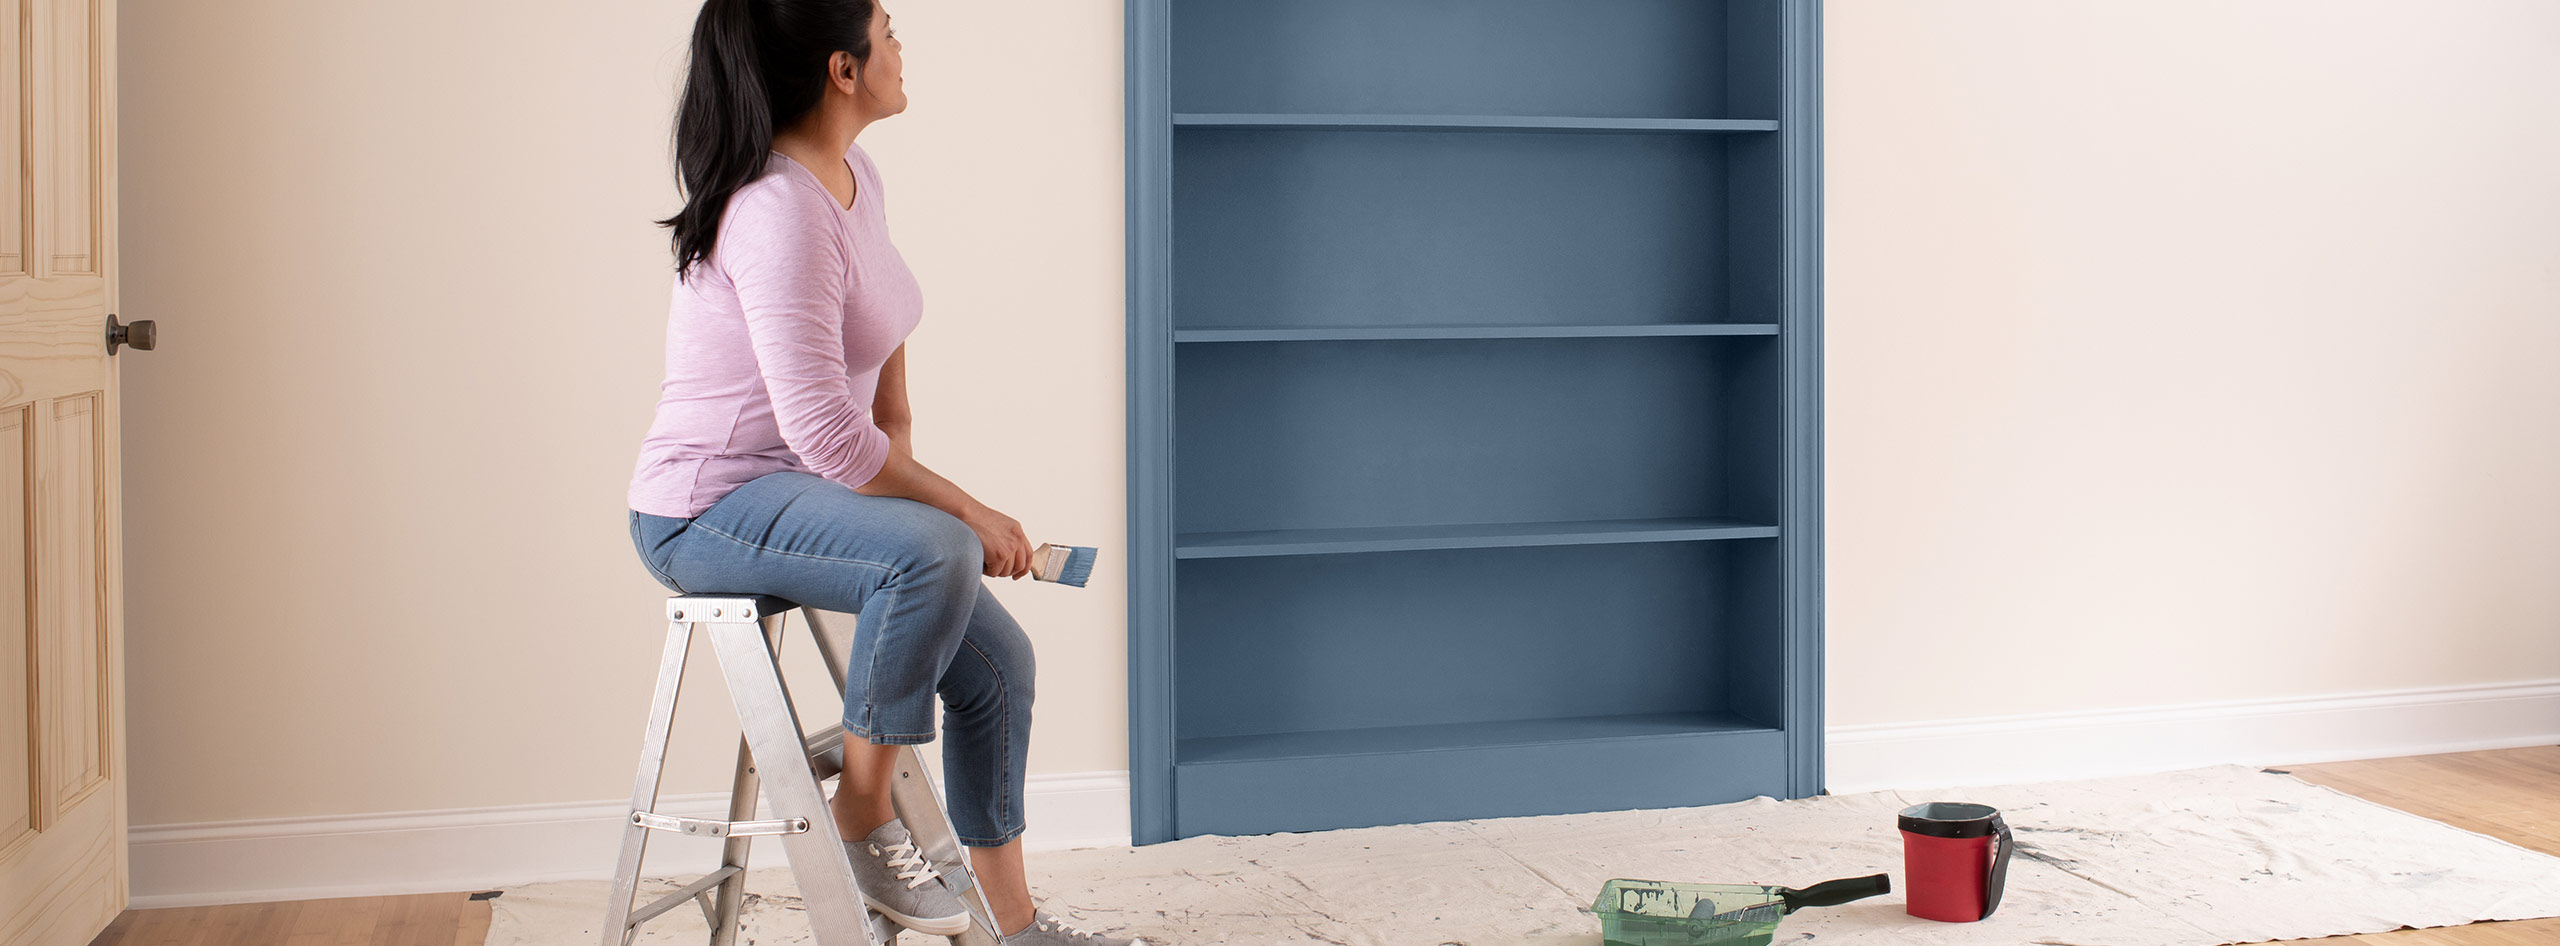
62 791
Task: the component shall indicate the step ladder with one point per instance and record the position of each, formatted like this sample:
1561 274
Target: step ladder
776 755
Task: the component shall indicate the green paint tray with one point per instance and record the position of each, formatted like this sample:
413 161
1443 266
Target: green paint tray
1662 913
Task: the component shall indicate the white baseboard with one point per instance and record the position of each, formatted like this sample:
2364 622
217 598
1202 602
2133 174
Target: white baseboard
2267 732
486 848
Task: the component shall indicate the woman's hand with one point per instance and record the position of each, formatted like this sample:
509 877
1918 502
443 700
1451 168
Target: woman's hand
1008 550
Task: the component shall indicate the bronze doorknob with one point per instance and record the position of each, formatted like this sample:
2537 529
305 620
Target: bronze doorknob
143 335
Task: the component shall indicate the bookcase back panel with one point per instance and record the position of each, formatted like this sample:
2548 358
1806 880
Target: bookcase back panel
1397 228
1332 434
1325 642
1618 58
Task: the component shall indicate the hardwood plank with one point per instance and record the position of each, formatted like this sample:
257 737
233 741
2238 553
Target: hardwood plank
160 927
276 924
114 934
144 928
476 916
213 926
349 924
393 928
181 925
426 919
319 921
403 921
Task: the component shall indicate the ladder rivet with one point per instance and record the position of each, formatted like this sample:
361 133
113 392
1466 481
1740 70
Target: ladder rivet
679 615
715 612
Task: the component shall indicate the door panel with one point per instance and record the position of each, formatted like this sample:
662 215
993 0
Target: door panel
63 873
13 88
72 643
17 628
70 198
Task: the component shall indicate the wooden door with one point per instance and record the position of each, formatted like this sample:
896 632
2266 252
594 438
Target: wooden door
62 772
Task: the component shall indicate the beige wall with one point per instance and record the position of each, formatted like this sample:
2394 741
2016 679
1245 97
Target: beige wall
413 310
2191 350
2184 351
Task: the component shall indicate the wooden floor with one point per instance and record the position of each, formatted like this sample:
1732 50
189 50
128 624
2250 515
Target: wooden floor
2510 793
426 919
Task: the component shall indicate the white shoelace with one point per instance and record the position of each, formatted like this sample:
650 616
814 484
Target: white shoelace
1051 923
904 854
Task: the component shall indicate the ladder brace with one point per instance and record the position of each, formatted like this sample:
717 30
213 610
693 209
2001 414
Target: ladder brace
703 827
698 891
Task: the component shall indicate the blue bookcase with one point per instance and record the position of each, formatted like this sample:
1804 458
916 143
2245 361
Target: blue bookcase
1474 409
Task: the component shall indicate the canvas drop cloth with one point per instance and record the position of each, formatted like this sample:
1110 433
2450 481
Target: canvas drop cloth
2203 857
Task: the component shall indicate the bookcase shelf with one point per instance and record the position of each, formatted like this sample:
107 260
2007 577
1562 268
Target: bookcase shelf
1404 332
1547 123
1477 735
1401 228
1446 783
1474 409
1461 536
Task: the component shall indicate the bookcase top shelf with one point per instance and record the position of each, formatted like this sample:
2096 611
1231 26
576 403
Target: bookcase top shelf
1473 535
1559 123
1329 333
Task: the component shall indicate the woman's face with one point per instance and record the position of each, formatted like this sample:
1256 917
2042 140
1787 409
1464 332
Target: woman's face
884 78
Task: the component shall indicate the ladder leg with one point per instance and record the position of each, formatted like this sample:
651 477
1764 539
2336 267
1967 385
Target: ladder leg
742 807
773 733
914 797
919 805
644 791
733 852
835 641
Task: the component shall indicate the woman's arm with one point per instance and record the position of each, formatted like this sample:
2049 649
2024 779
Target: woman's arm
889 403
794 314
1008 551
793 307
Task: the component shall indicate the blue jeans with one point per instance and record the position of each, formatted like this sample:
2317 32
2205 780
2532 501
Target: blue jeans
915 575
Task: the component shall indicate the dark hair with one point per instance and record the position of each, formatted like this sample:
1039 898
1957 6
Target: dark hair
755 64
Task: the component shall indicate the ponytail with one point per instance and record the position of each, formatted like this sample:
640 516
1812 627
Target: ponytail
753 63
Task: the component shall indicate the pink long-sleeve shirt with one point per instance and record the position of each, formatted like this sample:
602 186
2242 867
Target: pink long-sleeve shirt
775 343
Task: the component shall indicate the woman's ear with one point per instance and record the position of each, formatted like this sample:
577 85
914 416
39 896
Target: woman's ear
845 72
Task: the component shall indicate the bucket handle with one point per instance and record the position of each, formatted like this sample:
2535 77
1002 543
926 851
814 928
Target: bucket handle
1999 865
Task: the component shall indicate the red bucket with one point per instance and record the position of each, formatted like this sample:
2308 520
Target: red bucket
1950 868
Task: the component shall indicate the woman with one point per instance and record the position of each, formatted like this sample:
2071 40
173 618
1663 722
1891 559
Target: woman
779 462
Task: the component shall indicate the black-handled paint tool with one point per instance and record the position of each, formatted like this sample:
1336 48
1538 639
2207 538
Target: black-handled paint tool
1786 900
1660 913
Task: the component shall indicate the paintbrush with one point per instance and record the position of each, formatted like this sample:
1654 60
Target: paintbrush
1063 564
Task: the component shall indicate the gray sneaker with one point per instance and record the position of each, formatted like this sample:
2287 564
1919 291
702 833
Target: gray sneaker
895 879
1047 930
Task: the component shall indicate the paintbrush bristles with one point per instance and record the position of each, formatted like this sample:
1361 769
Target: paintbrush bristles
1063 564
